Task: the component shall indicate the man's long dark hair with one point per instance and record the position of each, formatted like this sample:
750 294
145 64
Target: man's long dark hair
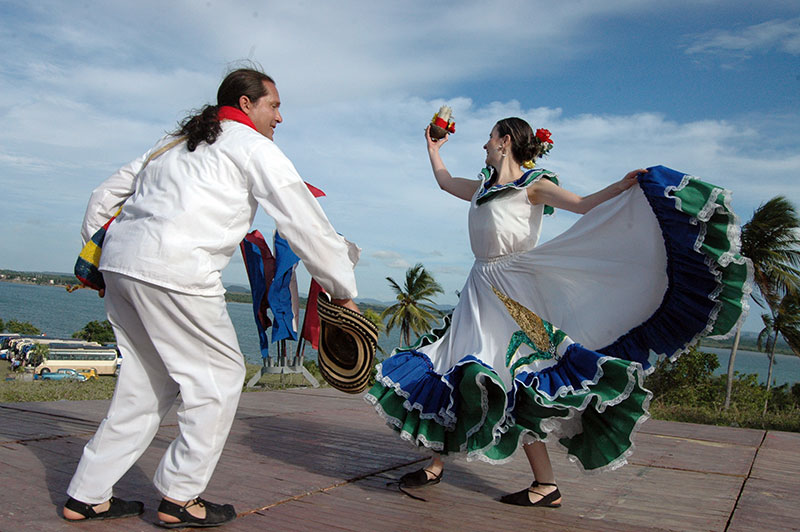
204 126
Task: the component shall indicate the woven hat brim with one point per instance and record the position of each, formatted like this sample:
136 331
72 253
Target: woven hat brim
346 346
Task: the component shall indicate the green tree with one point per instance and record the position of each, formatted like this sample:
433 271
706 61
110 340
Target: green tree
22 327
375 318
411 312
687 380
39 354
784 321
2 326
770 240
97 331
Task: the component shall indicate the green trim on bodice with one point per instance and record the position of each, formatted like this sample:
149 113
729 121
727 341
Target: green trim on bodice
528 178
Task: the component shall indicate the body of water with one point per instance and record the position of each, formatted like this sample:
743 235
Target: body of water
58 313
786 368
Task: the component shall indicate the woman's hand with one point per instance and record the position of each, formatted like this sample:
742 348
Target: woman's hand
434 145
630 179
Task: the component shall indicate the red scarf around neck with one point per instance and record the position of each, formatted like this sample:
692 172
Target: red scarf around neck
226 112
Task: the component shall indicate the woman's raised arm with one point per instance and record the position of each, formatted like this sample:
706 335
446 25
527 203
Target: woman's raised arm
457 186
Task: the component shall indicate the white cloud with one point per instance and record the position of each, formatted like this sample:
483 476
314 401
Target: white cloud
391 259
783 35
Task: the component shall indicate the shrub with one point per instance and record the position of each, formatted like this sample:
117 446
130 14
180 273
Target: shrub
686 380
97 331
686 390
21 327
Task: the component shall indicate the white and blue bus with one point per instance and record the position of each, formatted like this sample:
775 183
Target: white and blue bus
105 360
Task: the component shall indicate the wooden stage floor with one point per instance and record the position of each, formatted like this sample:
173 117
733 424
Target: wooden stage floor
318 459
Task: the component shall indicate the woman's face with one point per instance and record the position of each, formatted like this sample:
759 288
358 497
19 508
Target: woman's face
494 149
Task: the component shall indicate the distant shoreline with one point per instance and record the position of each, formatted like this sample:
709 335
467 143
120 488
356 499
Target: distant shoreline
64 280
18 281
748 341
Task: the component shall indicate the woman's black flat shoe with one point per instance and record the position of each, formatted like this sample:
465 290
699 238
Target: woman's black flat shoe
419 478
521 498
216 514
117 508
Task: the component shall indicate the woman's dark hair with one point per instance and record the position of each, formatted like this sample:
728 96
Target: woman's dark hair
204 126
524 146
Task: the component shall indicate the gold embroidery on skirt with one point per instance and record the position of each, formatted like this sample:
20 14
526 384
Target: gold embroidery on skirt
528 321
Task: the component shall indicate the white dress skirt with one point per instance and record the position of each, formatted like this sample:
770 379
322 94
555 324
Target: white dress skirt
554 341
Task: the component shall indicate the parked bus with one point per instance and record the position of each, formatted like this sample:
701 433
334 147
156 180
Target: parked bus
105 360
4 341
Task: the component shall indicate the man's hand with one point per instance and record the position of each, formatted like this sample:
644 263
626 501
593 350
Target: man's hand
346 303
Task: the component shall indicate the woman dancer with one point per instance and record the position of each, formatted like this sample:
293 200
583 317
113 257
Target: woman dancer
652 266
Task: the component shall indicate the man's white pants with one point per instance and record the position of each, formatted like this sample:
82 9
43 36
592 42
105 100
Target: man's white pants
170 342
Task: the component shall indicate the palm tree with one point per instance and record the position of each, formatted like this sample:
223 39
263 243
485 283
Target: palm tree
376 320
765 337
411 313
784 321
770 240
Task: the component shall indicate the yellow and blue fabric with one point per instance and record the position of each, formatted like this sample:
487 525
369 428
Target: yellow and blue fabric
89 259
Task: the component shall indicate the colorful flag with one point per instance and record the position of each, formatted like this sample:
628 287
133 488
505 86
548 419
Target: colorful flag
260 266
282 293
311 320
315 191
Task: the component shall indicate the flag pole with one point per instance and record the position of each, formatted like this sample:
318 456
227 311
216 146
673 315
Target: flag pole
301 339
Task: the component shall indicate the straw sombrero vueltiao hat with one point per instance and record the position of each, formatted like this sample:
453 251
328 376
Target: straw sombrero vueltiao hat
347 342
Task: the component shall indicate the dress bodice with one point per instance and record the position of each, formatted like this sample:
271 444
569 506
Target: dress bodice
502 220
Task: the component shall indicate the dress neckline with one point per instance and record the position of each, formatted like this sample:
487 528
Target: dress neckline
488 191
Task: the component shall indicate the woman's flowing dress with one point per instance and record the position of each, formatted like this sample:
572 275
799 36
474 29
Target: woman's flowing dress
653 269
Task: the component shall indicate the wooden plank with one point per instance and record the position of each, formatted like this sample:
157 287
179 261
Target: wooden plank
675 452
769 498
309 460
19 425
767 505
782 441
733 435
779 458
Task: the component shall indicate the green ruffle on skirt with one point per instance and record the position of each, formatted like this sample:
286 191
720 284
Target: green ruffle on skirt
720 241
481 425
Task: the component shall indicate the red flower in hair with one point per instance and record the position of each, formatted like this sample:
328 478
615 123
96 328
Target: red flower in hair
543 135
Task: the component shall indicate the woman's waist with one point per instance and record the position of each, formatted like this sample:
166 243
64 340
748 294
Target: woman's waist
499 258
496 246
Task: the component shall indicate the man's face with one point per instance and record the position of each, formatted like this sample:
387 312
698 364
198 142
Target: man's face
265 112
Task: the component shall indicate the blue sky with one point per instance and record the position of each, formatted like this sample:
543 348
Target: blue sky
711 88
